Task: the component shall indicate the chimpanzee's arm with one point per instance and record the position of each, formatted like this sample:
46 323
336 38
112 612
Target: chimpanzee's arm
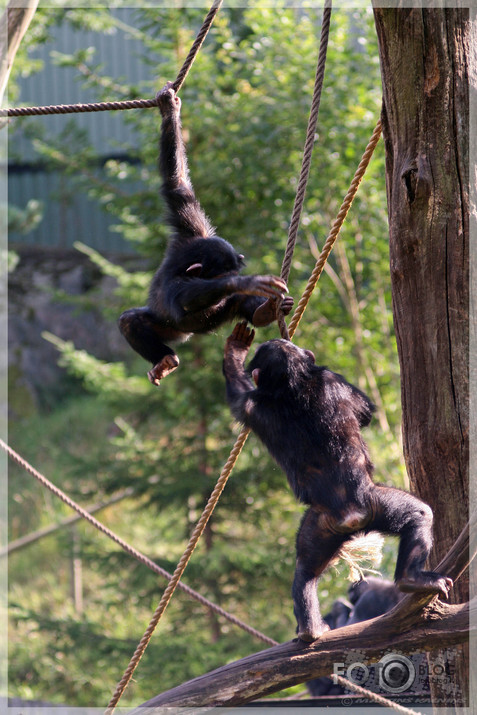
185 212
238 383
196 294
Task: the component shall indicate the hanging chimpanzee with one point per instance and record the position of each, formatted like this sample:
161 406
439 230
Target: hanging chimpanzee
309 418
197 287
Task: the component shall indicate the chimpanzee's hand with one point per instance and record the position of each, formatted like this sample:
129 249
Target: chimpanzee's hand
239 342
267 312
168 101
268 286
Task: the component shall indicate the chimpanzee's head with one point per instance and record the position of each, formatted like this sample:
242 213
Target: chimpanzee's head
280 364
211 258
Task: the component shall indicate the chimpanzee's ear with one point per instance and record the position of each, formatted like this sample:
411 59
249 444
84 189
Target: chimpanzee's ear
194 270
310 354
255 375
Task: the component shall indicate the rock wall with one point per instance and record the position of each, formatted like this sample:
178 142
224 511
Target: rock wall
41 294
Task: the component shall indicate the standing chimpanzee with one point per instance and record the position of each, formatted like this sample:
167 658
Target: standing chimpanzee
197 287
309 418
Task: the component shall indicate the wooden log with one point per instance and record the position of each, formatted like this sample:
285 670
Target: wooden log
295 662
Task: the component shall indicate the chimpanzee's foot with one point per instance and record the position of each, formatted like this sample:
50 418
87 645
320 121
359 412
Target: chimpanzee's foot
167 365
310 635
428 581
267 312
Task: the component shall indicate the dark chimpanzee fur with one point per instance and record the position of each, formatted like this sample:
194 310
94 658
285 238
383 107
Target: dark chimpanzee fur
369 598
309 418
197 287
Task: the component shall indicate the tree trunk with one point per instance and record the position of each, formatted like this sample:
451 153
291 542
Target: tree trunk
425 59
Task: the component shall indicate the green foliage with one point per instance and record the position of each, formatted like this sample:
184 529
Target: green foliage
25 220
245 107
98 375
8 261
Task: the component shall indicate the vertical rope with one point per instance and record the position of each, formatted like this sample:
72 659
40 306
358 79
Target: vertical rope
306 161
309 143
305 170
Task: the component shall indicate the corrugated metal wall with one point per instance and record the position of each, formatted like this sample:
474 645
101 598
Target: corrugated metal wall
68 216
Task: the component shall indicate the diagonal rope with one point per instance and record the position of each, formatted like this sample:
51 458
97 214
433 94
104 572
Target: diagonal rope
167 595
285 268
306 161
201 35
142 558
127 104
145 560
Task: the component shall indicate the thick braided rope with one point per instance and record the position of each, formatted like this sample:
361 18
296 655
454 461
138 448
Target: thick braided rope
345 683
306 161
201 35
335 229
127 104
167 595
308 149
78 108
142 558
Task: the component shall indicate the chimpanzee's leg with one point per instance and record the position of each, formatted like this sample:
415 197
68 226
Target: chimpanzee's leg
401 513
145 333
315 548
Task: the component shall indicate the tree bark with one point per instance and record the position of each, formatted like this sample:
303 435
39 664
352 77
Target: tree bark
425 59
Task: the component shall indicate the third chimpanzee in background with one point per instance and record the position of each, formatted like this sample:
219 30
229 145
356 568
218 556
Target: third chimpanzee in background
309 418
369 598
197 287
